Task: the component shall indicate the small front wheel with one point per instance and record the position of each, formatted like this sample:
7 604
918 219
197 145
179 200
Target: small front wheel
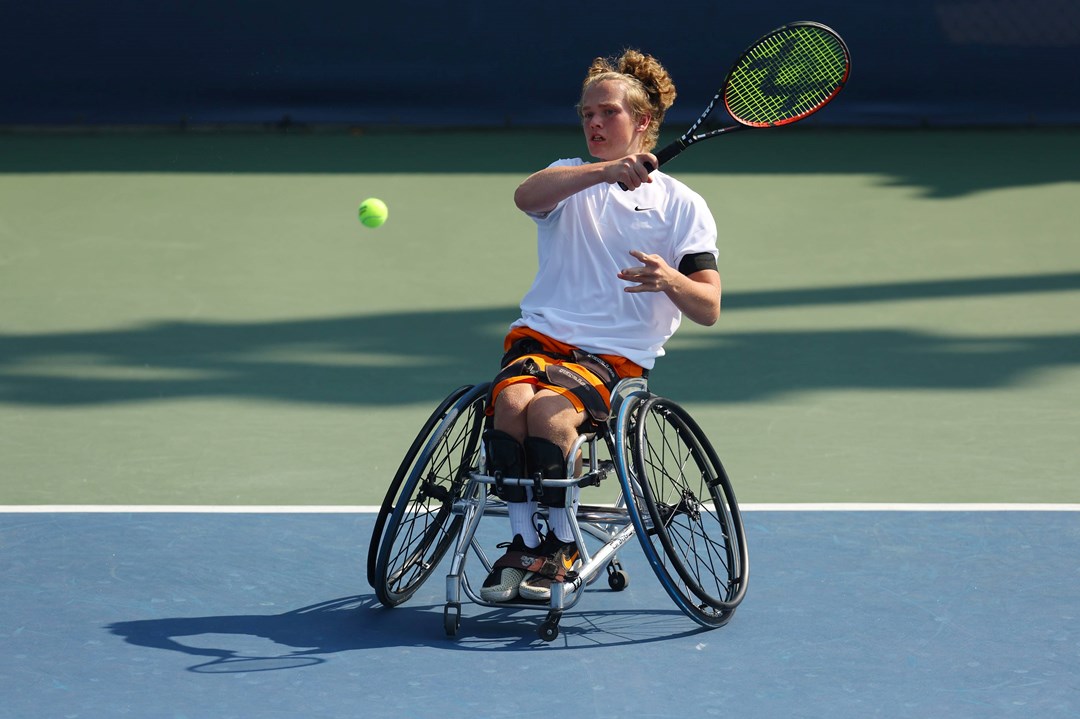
618 580
549 630
452 618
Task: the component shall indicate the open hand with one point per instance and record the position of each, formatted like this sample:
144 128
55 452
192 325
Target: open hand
653 275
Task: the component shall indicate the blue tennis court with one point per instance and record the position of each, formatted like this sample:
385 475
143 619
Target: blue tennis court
850 614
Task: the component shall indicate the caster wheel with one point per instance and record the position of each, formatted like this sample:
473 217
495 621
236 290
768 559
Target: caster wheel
452 619
549 631
618 580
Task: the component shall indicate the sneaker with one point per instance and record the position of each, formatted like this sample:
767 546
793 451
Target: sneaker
509 571
562 560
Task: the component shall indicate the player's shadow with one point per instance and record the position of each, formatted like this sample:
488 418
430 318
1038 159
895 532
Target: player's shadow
307 636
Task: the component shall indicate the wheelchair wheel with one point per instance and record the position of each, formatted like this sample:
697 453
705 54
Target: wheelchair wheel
391 498
684 511
419 524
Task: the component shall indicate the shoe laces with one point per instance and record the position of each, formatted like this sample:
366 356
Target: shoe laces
521 544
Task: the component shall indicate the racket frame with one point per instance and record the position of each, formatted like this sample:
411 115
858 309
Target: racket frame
688 138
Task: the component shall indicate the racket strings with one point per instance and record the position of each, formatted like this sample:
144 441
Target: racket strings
786 76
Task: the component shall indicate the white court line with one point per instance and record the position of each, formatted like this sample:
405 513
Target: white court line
362 509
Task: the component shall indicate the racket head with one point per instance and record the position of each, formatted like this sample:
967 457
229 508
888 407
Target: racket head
788 74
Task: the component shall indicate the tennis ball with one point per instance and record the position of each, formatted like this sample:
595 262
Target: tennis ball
373 212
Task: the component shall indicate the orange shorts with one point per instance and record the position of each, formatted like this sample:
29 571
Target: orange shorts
585 380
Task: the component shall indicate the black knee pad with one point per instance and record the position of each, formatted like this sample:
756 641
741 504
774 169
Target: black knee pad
546 458
506 456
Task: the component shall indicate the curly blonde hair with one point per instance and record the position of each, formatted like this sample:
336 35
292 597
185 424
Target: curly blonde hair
649 88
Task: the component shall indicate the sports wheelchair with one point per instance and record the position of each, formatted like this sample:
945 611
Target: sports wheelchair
675 496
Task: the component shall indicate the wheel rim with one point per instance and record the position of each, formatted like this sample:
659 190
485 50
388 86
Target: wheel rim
407 463
421 529
685 491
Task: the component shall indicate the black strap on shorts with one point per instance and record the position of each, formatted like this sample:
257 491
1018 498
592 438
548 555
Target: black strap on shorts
595 407
530 346
568 379
580 387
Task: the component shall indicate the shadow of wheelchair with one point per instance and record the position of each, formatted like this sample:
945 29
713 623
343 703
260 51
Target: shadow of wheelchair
309 636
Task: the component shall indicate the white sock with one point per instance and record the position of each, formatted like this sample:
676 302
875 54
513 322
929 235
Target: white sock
521 522
558 519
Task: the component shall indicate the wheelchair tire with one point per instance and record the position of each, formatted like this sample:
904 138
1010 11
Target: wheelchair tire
421 526
684 511
391 498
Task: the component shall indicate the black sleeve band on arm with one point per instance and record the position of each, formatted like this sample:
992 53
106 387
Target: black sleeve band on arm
697 262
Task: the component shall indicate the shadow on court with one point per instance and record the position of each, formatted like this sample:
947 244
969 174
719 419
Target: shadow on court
414 357
304 637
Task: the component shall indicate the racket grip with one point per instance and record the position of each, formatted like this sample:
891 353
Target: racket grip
648 166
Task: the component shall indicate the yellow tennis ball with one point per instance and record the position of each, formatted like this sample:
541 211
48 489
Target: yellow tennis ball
373 212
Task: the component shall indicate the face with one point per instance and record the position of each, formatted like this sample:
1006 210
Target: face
611 131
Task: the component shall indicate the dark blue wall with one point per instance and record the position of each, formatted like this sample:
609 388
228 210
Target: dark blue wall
484 63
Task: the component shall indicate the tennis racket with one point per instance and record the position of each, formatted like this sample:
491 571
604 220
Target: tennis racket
787 75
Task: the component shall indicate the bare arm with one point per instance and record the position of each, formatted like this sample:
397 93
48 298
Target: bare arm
697 295
543 190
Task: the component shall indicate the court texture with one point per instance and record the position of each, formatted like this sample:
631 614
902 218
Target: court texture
209 371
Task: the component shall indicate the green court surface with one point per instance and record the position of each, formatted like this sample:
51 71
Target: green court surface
200 319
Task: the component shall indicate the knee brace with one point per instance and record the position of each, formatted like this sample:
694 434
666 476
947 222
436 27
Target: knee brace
546 459
505 458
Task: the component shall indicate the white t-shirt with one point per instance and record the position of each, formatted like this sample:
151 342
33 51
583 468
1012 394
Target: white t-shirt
586 240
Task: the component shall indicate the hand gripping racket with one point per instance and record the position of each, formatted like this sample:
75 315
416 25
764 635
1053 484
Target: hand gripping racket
787 75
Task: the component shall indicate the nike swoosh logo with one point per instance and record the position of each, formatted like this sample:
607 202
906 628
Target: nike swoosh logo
643 209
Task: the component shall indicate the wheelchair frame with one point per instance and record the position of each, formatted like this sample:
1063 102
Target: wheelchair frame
688 522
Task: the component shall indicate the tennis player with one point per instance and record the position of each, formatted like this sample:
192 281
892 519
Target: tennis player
617 272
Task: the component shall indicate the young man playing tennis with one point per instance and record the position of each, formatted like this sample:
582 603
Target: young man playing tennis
617 272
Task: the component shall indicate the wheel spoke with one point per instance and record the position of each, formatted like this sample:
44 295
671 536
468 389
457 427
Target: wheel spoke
691 543
422 525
